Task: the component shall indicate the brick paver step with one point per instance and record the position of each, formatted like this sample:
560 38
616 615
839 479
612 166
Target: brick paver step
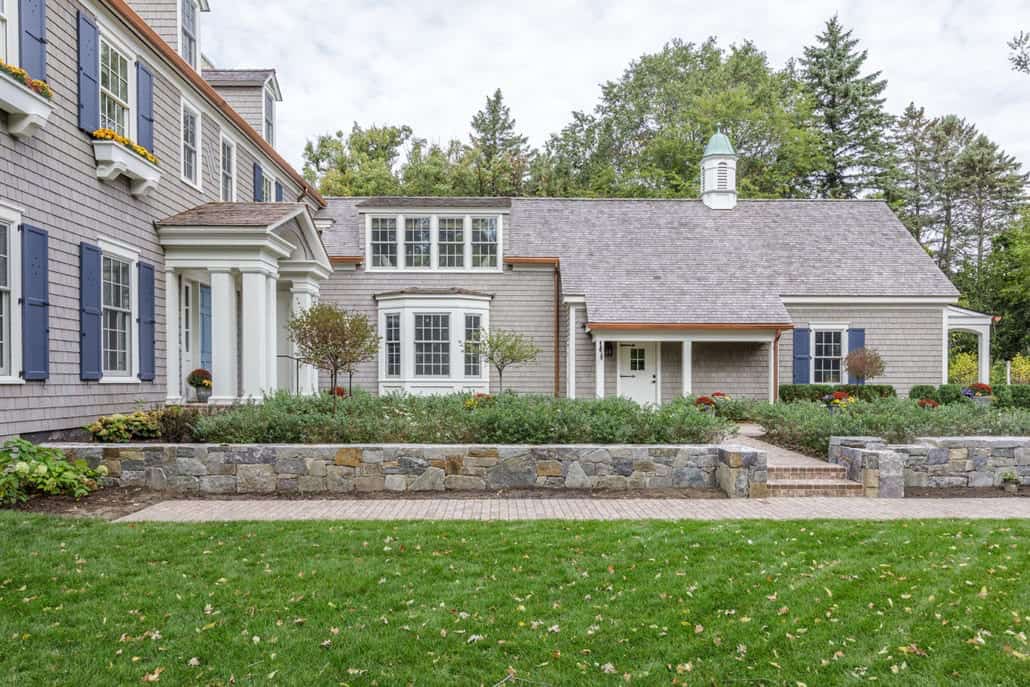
788 472
814 487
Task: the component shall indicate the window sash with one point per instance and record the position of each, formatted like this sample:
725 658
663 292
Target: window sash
827 358
268 189
384 242
393 345
189 32
473 359
228 171
484 241
114 89
3 32
187 317
189 144
269 117
5 301
451 242
117 315
418 242
432 345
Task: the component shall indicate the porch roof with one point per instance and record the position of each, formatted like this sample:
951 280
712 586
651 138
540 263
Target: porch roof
234 215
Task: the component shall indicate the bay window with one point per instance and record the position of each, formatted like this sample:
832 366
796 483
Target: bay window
445 242
114 90
432 344
473 358
393 344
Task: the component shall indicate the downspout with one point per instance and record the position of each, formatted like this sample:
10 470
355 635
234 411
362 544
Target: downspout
776 365
557 331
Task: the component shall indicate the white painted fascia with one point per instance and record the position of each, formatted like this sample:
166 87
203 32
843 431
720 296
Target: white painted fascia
869 300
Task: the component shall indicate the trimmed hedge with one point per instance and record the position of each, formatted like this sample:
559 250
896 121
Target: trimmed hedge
789 393
1005 395
1012 396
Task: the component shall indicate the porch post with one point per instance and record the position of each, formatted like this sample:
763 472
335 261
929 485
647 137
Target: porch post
255 332
173 373
688 367
302 297
223 335
599 369
272 335
984 354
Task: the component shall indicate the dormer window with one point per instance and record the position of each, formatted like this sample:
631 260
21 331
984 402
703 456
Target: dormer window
269 115
433 242
188 37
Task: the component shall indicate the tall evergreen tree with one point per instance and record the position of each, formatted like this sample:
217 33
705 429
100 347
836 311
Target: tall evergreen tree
1020 56
948 137
908 190
500 156
849 112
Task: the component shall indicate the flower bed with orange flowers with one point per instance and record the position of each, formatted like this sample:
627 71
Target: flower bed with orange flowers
110 135
35 85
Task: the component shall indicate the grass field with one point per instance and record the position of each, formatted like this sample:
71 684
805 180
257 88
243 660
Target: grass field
731 603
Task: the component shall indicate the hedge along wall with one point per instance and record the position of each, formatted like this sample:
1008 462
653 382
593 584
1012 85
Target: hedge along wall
267 469
940 462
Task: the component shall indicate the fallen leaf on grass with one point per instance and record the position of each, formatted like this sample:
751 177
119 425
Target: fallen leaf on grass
912 649
154 676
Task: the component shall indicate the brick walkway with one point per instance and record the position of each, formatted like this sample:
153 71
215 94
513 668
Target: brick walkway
583 509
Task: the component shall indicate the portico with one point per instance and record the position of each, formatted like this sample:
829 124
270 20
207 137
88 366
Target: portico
234 275
958 319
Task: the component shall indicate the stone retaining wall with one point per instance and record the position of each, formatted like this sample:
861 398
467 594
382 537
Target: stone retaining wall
937 462
266 469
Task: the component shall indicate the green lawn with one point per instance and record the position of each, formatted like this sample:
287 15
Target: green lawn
730 603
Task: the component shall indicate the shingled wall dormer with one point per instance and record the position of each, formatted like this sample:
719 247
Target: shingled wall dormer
254 93
177 22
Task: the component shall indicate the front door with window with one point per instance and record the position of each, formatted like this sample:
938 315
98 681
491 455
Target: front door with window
638 372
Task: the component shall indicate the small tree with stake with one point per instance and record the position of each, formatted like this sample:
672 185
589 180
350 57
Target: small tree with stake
864 363
334 340
502 349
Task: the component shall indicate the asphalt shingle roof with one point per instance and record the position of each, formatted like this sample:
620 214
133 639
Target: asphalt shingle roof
237 77
398 202
233 215
679 262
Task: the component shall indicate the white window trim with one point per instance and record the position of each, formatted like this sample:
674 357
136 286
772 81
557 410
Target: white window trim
12 217
407 306
13 36
185 105
196 32
842 327
265 93
270 179
123 251
112 38
435 246
222 140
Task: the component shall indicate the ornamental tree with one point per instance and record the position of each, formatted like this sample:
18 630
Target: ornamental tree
334 340
502 349
865 363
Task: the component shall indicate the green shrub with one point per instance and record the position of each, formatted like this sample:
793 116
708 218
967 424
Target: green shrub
118 428
1012 396
736 409
27 469
963 369
950 393
176 423
789 393
920 391
505 419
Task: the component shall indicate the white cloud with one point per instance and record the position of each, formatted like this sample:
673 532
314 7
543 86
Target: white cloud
431 64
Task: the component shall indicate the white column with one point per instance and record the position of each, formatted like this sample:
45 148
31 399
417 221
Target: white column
599 369
255 333
173 373
688 367
272 334
302 299
570 375
984 355
223 336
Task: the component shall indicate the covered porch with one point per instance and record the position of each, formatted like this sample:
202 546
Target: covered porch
235 273
958 319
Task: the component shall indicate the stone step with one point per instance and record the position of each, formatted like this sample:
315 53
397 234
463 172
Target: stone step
814 487
794 472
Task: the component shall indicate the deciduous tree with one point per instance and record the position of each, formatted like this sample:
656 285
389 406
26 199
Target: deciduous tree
333 340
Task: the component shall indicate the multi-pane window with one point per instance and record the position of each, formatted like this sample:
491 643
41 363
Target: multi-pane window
114 89
228 171
828 354
484 241
187 317
384 242
267 188
190 145
637 360
432 344
451 241
5 300
418 242
393 345
117 317
3 32
188 46
473 359
269 116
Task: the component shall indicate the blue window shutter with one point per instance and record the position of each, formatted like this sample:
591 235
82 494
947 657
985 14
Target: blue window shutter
802 355
32 31
89 74
147 323
144 107
856 340
90 287
259 183
278 192
35 304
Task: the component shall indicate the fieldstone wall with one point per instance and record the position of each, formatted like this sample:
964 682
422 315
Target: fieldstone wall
936 462
268 469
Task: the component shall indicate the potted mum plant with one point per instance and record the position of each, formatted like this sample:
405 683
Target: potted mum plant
1010 483
980 394
200 380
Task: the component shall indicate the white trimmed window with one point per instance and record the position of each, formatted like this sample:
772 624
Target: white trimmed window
227 166
187 316
5 299
429 343
434 242
10 294
268 187
188 35
191 138
9 31
829 349
269 115
115 95
119 313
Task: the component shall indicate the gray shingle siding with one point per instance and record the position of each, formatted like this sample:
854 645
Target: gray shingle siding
910 339
740 369
248 101
162 16
52 179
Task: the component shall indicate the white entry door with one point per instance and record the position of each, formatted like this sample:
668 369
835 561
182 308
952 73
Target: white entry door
638 372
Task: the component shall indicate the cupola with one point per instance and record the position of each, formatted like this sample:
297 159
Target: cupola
719 173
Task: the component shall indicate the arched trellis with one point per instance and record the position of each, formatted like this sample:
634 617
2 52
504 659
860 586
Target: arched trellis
958 319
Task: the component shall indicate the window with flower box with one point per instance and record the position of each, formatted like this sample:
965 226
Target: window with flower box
115 110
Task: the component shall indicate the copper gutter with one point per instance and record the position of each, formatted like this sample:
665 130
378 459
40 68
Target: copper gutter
346 259
685 327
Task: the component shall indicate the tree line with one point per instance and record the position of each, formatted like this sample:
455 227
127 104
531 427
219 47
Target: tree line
815 128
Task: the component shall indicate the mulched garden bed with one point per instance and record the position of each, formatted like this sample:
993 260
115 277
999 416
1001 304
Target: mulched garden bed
963 493
107 504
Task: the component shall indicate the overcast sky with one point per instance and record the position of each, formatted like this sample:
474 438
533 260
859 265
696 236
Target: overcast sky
431 64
